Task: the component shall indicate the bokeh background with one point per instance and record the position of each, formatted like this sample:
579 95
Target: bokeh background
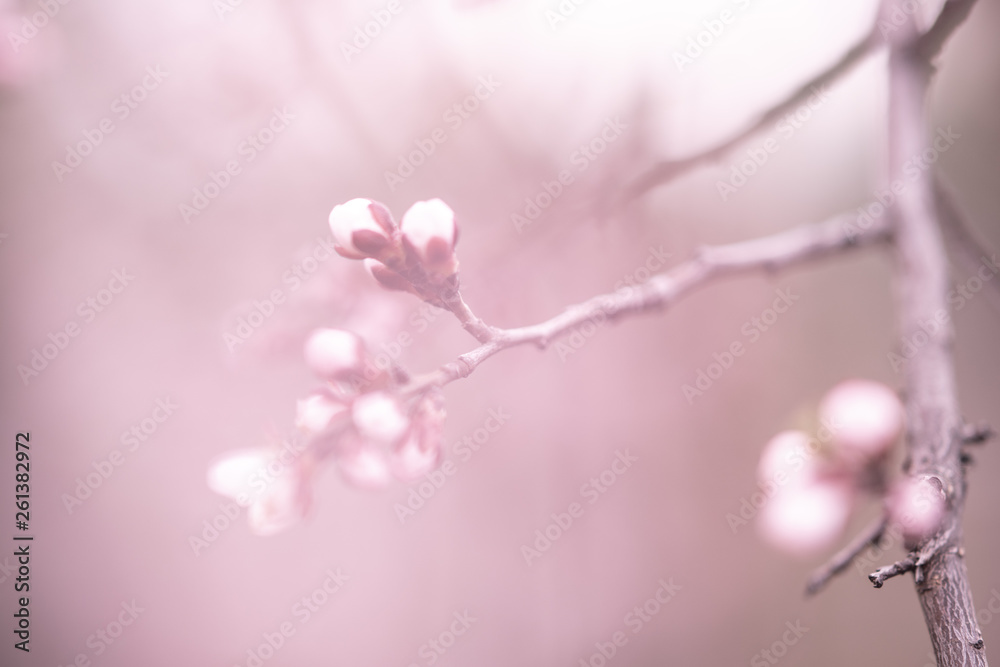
227 66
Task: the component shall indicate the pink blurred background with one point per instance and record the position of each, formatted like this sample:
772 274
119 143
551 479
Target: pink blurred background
225 69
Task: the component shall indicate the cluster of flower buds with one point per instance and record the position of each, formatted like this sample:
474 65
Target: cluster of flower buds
416 256
813 482
375 434
372 432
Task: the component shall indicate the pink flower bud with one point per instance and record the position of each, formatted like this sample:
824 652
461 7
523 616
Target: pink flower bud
379 417
806 518
429 229
917 505
361 228
788 456
333 354
865 417
386 277
314 414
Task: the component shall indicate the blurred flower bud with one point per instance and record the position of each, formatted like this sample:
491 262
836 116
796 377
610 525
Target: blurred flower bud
420 452
378 417
361 228
788 456
430 231
333 354
388 278
806 518
865 417
362 464
284 498
917 504
314 414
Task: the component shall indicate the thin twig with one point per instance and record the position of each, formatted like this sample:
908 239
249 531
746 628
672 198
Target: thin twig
769 253
840 560
667 170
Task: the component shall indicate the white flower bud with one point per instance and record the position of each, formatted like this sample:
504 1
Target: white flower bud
787 457
284 498
365 466
314 414
865 417
361 228
430 230
806 518
378 417
333 354
420 452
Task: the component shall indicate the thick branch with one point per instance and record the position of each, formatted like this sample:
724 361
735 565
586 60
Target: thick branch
769 253
934 424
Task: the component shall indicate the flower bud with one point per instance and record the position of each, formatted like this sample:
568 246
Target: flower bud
275 490
314 414
420 452
387 278
788 456
362 464
361 228
429 229
865 417
917 505
806 518
378 417
333 354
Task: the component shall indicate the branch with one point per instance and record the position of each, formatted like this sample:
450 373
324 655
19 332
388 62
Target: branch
840 560
668 170
934 424
929 45
769 253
